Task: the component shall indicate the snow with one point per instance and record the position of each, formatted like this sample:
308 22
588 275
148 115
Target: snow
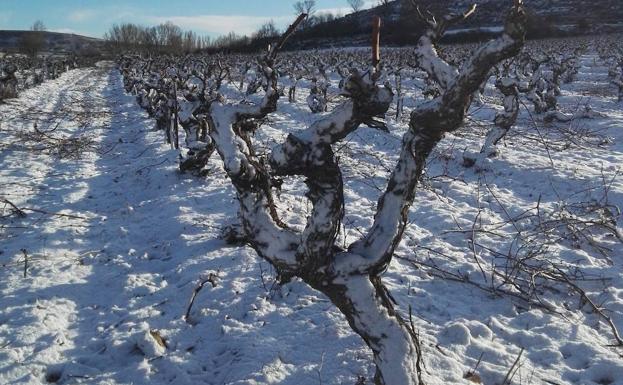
139 237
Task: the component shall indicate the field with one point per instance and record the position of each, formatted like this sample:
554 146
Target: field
114 269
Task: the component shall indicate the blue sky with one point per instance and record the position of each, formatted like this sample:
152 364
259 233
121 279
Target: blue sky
211 17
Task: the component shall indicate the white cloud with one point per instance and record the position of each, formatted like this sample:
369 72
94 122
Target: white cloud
336 11
346 10
82 15
221 24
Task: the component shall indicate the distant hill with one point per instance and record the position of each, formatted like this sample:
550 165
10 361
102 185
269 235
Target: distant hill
55 42
547 18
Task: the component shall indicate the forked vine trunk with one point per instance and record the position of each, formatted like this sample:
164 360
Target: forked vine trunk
351 278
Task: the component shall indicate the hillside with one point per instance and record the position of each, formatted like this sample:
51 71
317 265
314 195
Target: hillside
595 15
548 18
54 41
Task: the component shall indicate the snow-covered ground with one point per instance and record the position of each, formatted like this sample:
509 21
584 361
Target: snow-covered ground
96 278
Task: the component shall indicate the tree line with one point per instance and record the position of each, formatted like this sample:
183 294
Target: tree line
170 38
163 38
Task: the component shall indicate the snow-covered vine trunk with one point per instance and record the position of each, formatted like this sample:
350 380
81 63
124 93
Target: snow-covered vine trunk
8 82
618 82
504 120
365 302
345 277
351 278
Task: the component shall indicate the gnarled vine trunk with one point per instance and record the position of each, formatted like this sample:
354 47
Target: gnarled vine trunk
351 278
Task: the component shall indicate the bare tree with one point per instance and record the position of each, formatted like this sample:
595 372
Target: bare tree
38 26
351 278
33 41
356 5
305 6
166 38
267 30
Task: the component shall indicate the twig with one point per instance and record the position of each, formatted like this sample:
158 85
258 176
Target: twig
282 40
471 374
513 369
25 262
262 277
473 234
596 308
140 170
536 127
19 212
319 370
211 279
419 364
54 213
